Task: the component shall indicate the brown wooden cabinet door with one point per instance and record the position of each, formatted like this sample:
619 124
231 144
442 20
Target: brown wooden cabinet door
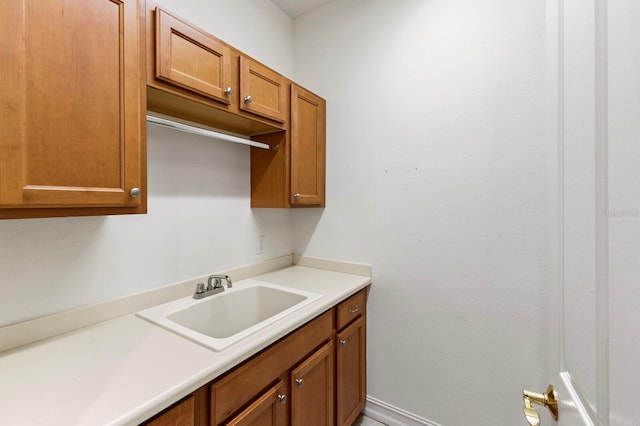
191 411
312 386
71 105
192 59
268 410
308 135
351 372
182 414
262 90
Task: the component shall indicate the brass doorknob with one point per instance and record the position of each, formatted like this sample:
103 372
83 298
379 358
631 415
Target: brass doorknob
549 399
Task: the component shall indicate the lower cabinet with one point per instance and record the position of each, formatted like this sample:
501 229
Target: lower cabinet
191 411
270 409
314 376
351 372
312 389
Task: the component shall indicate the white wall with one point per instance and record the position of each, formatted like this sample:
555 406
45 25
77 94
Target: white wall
438 176
199 218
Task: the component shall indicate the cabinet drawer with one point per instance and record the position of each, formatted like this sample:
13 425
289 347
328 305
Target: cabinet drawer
351 309
234 390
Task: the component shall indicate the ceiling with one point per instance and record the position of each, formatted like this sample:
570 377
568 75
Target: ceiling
295 8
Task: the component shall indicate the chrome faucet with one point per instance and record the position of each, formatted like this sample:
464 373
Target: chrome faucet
214 286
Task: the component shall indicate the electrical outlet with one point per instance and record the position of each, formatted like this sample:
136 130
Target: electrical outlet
260 244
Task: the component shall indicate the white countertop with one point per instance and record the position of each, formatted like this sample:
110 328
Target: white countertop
124 370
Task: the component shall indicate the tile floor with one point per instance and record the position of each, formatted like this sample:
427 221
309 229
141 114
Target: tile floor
363 420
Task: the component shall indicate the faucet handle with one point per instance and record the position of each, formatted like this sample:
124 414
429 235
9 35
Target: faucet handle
200 288
218 281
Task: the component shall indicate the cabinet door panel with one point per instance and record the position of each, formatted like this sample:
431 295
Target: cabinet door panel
312 389
268 410
307 148
266 89
191 411
182 414
191 59
71 106
351 372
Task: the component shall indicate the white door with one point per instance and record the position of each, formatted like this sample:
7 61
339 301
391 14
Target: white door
594 315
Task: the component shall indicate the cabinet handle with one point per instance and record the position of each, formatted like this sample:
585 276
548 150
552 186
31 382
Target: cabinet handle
343 342
354 309
299 382
282 398
228 91
248 99
135 192
296 196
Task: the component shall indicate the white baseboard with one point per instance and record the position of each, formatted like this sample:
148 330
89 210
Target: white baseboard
393 416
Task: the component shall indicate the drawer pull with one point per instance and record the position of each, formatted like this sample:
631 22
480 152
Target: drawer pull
343 342
299 382
282 398
354 309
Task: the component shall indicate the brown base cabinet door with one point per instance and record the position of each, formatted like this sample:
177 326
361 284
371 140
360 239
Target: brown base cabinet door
191 411
312 389
268 410
351 372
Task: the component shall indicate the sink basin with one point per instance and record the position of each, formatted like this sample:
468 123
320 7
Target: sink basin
221 320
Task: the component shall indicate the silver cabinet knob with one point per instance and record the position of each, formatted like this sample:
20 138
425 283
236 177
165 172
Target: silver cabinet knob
343 342
135 192
282 398
248 99
296 196
299 382
228 91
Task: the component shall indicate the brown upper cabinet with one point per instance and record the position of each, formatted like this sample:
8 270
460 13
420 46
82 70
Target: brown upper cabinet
262 90
294 176
72 108
194 76
308 113
192 59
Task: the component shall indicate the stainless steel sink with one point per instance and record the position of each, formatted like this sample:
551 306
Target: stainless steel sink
221 320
